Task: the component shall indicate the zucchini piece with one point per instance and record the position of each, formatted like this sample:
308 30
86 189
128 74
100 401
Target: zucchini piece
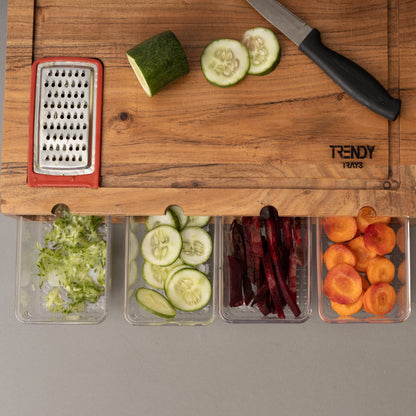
156 276
162 245
155 303
158 61
196 246
189 290
225 62
169 218
264 50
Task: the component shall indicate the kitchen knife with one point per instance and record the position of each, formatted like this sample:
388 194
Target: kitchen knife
353 79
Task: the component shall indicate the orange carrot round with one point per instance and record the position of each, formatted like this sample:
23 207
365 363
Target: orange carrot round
343 284
380 238
380 269
361 252
367 215
379 299
349 308
338 253
340 229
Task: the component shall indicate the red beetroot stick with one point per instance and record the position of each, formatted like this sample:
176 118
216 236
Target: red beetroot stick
247 290
271 212
298 242
251 227
287 232
261 294
264 307
271 281
272 246
236 282
292 273
250 263
237 241
237 264
239 252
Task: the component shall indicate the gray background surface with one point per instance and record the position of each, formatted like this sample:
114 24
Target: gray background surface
223 369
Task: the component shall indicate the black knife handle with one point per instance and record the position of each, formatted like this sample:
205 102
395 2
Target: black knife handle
353 79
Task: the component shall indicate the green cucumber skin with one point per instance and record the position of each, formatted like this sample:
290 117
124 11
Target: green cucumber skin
268 71
153 311
161 59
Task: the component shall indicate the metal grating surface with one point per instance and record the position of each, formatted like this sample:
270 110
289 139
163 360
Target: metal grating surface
64 119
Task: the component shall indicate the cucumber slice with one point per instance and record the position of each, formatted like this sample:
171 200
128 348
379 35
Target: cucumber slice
154 302
182 219
134 248
162 245
158 61
134 223
225 62
196 245
169 218
156 276
198 221
189 290
133 273
264 50
173 271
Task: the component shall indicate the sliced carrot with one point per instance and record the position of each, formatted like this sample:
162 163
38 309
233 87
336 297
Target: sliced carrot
338 253
340 229
343 284
349 308
380 238
367 215
361 252
379 299
380 269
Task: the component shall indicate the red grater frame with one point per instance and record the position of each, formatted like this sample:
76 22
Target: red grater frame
89 180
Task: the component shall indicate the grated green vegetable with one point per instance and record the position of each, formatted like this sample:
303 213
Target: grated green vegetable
73 261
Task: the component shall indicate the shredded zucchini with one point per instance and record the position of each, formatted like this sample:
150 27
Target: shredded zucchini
72 262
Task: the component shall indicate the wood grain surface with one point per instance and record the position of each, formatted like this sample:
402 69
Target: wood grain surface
291 138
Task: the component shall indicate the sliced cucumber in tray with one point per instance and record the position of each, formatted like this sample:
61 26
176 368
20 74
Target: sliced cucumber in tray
196 246
154 302
175 271
168 219
162 245
188 290
156 276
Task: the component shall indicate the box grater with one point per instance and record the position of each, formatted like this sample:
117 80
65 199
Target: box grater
65 122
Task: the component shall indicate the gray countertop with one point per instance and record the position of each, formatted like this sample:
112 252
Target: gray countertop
115 368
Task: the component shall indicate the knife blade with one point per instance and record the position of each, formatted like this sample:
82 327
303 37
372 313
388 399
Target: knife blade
353 79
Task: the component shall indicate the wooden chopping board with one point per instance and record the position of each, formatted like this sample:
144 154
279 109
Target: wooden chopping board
292 132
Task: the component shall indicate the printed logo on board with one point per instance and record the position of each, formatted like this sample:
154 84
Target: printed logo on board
352 157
